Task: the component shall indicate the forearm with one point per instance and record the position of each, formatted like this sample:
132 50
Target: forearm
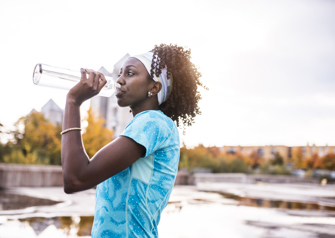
74 157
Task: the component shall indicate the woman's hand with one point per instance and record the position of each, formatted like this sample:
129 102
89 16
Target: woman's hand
87 87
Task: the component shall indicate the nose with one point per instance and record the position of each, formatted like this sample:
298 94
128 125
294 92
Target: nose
120 80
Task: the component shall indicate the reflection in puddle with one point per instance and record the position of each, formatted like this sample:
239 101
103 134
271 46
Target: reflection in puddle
173 207
291 205
79 226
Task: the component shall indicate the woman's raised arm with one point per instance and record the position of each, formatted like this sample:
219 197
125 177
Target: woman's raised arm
79 172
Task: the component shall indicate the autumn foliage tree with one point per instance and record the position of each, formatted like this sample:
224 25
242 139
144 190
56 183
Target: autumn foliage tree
35 141
212 158
96 135
297 158
312 162
328 162
198 157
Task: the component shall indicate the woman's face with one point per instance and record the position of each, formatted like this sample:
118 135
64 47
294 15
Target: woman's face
135 83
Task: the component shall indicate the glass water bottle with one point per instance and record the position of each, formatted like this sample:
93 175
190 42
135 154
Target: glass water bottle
49 76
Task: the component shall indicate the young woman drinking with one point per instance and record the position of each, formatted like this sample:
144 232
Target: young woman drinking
135 173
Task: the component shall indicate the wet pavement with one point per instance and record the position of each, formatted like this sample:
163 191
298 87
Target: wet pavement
310 199
208 210
12 201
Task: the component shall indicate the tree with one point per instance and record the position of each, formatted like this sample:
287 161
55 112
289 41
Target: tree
1 145
238 166
328 162
35 140
255 160
313 162
198 157
278 159
96 135
297 158
184 160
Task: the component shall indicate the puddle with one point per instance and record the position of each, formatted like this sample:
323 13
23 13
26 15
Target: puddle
10 201
188 213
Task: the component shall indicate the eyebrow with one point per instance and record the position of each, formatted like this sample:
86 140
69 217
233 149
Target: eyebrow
128 66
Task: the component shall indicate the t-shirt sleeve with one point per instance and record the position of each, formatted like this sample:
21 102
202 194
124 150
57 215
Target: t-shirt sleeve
149 130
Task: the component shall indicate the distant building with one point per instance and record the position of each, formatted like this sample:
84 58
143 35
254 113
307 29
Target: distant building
116 118
268 152
53 112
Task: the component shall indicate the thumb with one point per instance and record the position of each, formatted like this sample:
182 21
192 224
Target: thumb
83 73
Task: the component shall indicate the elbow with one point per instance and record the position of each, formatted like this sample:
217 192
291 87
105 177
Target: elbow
68 189
71 186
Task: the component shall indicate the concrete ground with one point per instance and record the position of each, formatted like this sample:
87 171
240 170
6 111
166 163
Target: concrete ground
324 196
195 212
79 204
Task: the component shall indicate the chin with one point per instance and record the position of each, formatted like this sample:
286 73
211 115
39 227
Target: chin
122 104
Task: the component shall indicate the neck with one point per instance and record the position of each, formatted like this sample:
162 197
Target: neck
151 104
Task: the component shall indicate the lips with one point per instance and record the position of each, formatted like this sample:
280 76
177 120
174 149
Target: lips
119 93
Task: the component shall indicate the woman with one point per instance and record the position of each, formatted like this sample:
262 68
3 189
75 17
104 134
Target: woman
135 173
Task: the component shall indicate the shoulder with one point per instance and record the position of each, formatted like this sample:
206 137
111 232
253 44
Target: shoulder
153 119
153 130
152 114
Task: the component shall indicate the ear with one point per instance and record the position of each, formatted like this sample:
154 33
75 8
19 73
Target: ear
156 88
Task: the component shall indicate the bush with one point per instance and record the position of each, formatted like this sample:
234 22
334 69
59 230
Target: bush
238 166
309 174
235 165
267 168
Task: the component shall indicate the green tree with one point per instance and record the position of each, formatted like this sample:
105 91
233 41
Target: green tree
96 135
3 147
278 159
238 166
255 160
184 160
268 168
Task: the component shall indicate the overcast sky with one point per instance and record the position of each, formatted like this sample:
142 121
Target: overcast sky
269 65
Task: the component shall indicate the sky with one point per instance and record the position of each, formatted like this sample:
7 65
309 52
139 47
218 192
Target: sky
269 65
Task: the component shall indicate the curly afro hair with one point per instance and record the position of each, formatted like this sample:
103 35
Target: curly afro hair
182 104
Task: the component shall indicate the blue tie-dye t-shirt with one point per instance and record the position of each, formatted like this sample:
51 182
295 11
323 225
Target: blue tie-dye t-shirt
130 203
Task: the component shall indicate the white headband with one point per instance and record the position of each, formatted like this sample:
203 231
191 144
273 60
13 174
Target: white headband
164 93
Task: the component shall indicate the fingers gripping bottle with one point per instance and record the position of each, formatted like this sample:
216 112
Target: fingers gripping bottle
49 76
